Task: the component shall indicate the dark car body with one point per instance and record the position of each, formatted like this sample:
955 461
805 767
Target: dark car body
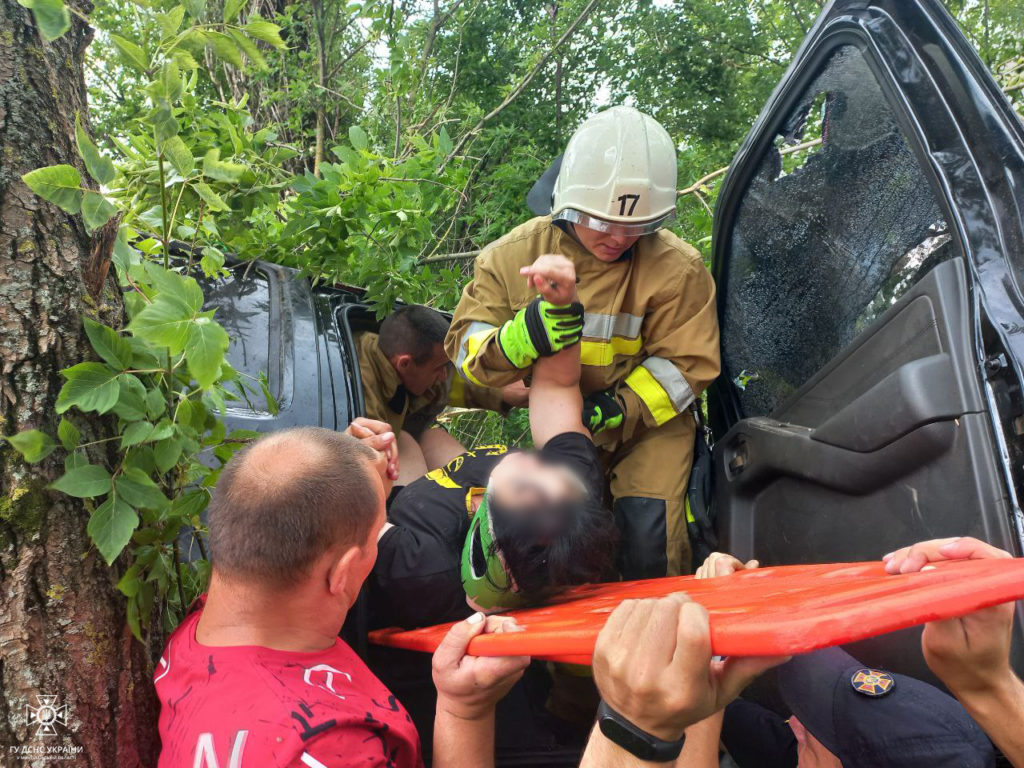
870 303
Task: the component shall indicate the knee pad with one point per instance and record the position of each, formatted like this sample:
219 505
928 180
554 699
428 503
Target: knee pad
643 548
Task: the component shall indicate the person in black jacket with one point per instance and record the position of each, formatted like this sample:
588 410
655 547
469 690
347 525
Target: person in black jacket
497 528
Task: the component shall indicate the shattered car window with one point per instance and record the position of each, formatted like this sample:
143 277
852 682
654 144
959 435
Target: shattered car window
837 223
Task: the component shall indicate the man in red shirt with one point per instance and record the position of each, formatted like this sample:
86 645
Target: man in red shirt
257 675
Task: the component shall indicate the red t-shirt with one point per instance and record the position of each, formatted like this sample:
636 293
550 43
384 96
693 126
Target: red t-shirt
254 707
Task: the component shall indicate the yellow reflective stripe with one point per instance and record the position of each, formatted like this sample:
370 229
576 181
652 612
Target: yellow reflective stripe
457 391
602 353
472 346
652 393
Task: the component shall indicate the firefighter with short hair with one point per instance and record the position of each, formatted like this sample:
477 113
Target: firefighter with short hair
649 332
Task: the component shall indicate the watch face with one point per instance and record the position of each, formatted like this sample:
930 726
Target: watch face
629 741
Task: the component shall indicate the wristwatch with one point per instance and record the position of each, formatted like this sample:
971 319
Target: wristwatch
636 741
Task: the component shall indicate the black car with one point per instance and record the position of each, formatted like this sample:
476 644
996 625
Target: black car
870 303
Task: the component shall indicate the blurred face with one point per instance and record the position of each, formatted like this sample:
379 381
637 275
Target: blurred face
418 378
604 247
522 480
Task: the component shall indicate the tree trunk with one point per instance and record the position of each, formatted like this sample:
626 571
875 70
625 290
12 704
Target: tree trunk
62 624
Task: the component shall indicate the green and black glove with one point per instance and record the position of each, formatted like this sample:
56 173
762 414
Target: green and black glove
601 411
540 329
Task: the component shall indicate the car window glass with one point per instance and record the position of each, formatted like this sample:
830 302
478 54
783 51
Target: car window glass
243 308
836 224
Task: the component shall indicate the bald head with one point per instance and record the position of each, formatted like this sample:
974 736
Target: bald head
288 498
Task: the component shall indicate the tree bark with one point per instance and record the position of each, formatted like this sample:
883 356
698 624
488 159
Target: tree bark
62 622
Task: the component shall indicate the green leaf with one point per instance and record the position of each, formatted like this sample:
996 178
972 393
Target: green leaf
111 527
129 583
204 350
212 199
163 430
83 482
167 282
109 344
358 137
68 434
90 386
139 490
231 9
51 16
165 322
212 261
185 59
226 50
96 210
444 143
167 452
170 22
250 49
124 256
178 154
131 398
136 432
57 184
196 8
164 124
190 505
265 31
155 403
98 165
33 445
170 80
131 53
221 170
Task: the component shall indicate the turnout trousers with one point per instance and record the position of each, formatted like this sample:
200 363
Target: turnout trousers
647 477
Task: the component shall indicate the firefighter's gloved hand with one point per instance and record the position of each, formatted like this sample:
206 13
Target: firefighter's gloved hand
539 330
601 411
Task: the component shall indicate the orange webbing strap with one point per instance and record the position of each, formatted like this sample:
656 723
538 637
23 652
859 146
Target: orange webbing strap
766 612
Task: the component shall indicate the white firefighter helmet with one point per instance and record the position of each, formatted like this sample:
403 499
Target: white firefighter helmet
618 174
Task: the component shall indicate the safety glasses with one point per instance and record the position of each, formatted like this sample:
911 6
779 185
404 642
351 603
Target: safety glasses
639 229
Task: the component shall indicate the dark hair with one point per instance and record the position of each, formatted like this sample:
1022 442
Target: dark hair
552 546
269 520
413 330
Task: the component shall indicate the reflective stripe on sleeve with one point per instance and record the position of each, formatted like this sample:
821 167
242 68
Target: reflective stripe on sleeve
457 390
608 336
475 336
602 353
661 386
604 327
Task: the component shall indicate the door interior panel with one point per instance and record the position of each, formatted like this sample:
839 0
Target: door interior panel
866 400
889 444
885 446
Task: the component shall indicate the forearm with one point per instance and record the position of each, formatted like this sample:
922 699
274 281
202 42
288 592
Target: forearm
463 742
601 753
701 747
558 371
700 750
1000 714
556 405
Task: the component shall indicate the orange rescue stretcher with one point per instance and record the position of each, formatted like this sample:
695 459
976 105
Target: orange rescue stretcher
765 612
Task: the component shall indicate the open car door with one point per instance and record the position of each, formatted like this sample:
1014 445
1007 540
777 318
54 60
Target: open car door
869 257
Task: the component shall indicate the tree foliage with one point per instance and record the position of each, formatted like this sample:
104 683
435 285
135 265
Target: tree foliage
369 143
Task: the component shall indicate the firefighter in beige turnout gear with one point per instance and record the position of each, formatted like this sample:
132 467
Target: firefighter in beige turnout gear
650 330
408 379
